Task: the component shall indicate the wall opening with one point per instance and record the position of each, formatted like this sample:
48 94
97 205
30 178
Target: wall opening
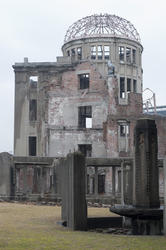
33 110
32 145
122 88
79 53
101 184
134 55
128 55
134 86
99 52
106 52
121 54
84 81
85 149
84 112
123 138
33 80
128 85
93 52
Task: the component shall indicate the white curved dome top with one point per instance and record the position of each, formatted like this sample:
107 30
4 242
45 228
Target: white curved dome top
103 25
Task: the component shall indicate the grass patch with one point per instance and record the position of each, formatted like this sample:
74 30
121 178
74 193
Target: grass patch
35 227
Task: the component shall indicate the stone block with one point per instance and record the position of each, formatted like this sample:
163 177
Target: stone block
74 208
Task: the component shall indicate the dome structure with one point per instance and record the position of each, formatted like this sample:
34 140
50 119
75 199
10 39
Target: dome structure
103 25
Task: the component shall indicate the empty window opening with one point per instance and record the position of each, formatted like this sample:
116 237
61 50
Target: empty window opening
122 87
93 52
134 86
85 149
134 55
73 52
84 81
106 52
90 184
119 181
128 55
33 110
100 52
33 81
68 53
101 184
121 54
124 130
83 113
51 178
79 53
32 145
128 85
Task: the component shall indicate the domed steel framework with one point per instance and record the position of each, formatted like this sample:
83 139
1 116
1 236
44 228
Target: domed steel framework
103 25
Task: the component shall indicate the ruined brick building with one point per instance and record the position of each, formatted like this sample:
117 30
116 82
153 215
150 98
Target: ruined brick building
89 100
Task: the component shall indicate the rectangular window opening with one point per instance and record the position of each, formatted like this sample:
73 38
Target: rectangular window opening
85 149
90 184
93 52
100 52
33 110
68 53
33 80
134 86
106 52
84 112
128 85
122 88
84 81
73 52
128 55
121 54
79 53
124 130
134 55
101 184
32 145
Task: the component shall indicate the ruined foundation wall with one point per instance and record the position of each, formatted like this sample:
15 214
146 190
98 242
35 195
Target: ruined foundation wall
6 180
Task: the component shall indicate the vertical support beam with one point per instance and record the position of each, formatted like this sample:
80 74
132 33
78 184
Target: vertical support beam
122 183
164 219
113 181
96 180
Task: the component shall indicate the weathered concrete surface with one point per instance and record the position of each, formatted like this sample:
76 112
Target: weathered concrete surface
74 208
164 219
145 213
6 174
146 171
35 178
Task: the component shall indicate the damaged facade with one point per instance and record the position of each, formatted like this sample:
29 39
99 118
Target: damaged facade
89 100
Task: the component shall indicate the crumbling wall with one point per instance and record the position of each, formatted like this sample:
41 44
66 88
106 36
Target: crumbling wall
64 134
36 178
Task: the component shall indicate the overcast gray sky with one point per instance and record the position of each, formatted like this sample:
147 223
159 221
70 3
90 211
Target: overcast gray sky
36 29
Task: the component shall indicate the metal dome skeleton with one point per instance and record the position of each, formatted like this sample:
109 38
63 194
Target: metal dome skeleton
103 25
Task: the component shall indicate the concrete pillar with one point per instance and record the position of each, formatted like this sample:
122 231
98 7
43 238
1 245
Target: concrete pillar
74 209
146 188
122 183
96 180
113 181
164 218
